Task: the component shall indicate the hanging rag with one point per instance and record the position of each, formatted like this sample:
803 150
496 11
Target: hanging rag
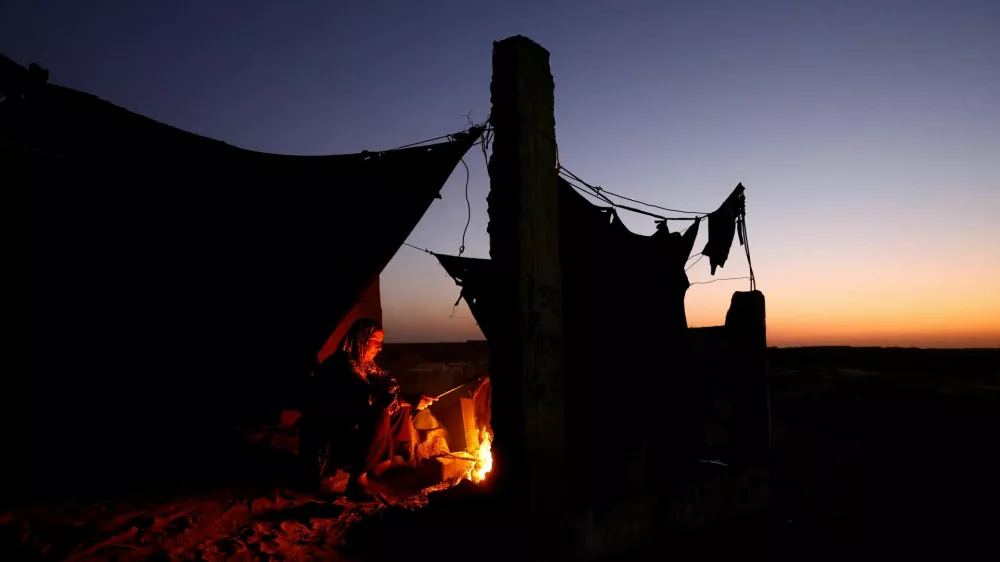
722 228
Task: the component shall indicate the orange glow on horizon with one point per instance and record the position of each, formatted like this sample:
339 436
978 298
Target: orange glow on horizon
794 332
857 301
789 324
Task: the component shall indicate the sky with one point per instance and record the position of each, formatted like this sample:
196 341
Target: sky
867 133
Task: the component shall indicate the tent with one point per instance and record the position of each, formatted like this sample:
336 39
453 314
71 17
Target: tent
180 282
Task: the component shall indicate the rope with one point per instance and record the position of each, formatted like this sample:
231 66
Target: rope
588 192
460 294
602 190
599 193
418 248
418 143
484 144
686 228
693 264
450 136
613 194
746 246
720 279
468 209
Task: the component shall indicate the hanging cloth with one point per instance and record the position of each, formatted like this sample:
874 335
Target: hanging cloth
722 228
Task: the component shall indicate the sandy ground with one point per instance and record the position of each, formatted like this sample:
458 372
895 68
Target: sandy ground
276 524
219 527
241 520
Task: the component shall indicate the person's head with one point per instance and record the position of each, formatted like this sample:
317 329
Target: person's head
363 341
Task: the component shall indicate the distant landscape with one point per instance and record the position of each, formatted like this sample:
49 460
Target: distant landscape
885 447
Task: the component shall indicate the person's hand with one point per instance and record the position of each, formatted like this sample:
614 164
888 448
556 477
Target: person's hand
425 401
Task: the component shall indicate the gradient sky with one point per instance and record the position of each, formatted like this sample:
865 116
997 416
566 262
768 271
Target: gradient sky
866 133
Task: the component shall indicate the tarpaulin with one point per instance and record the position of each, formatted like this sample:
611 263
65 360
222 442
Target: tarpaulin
175 272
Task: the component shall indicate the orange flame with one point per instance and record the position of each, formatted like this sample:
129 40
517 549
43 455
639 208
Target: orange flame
484 458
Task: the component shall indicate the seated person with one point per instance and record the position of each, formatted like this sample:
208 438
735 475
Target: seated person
353 413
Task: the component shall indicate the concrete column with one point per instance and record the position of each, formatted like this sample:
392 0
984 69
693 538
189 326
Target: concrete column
526 356
746 327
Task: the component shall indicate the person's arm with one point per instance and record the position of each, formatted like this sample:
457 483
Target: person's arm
416 401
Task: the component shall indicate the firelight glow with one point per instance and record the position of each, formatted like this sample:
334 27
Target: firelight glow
484 458
864 132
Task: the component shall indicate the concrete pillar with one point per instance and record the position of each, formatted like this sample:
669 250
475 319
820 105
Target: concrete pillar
746 329
526 356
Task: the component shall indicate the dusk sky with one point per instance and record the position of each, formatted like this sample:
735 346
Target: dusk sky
866 133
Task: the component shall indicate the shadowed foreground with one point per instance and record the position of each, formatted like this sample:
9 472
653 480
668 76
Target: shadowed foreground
875 452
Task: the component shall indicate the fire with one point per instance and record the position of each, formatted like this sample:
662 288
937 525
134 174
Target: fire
484 458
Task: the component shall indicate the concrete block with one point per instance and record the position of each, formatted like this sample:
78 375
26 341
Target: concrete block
450 467
459 419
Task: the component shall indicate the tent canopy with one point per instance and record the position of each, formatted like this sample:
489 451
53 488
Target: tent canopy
173 272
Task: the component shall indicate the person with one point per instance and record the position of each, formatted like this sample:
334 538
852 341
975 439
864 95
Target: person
354 413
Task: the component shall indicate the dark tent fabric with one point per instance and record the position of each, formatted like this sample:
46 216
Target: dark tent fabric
475 276
179 282
627 345
599 254
368 305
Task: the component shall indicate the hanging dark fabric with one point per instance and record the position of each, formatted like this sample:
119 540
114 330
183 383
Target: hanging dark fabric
623 305
475 277
722 228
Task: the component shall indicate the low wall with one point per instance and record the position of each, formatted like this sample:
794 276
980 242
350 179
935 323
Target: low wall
432 368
